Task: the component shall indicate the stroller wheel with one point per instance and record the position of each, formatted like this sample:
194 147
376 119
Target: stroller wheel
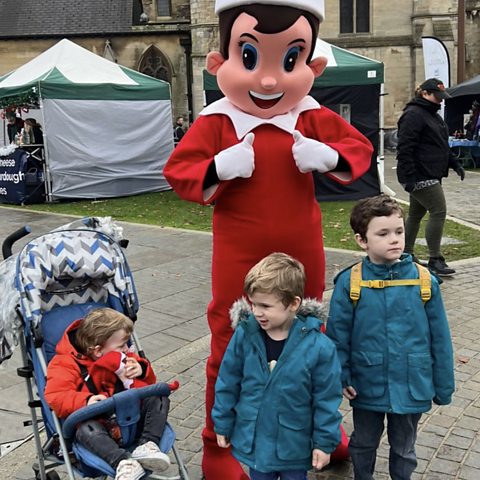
52 475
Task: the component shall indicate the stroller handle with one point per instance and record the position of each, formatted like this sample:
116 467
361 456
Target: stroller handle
133 395
12 238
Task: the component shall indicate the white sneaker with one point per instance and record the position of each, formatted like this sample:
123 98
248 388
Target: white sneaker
129 470
151 457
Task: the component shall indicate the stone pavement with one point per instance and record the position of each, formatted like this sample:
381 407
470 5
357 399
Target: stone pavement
171 269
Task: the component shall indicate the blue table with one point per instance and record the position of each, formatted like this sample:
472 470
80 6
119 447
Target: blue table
466 151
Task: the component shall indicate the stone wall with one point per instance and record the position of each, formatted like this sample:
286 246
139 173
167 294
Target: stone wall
395 39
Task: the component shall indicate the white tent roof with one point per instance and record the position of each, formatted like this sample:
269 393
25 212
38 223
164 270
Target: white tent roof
66 65
75 63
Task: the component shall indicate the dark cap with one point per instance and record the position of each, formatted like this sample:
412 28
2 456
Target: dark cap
435 86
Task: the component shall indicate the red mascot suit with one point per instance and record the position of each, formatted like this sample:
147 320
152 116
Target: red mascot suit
252 154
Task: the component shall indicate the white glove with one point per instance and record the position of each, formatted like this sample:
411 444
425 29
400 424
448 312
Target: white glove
312 155
236 161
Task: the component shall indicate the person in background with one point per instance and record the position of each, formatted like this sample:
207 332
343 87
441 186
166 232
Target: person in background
178 130
32 131
471 128
424 158
393 342
14 126
278 390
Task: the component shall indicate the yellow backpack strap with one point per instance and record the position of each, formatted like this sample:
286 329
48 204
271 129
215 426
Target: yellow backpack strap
425 283
355 282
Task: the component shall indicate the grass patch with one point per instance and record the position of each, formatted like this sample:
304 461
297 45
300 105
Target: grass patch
337 233
164 209
168 210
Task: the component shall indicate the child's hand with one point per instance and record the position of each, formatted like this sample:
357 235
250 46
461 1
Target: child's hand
223 441
96 398
349 392
320 459
132 368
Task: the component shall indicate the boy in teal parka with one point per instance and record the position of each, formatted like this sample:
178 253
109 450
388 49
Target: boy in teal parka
395 350
278 389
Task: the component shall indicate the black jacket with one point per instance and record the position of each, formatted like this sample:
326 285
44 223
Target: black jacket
14 128
423 152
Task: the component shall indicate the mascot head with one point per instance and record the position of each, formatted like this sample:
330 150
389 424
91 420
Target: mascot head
265 64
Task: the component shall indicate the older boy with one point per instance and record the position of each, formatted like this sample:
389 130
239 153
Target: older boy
392 336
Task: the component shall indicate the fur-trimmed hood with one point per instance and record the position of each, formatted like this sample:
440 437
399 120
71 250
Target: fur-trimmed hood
309 307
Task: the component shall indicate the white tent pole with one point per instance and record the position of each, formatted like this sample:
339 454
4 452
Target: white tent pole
46 167
381 147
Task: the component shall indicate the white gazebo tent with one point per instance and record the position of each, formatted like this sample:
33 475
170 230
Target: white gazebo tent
107 128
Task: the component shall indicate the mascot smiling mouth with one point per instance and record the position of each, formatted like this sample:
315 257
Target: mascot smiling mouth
265 101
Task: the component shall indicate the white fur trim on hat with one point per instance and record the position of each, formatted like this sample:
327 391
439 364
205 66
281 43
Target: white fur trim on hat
317 7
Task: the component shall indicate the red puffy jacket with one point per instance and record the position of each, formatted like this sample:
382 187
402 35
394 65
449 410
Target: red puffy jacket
66 390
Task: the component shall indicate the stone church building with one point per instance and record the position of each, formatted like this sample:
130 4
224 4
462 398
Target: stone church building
169 39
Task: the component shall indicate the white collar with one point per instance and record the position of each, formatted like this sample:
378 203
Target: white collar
244 122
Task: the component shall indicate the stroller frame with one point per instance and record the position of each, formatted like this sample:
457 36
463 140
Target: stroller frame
31 341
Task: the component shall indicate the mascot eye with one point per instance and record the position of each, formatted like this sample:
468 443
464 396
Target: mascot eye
249 56
291 58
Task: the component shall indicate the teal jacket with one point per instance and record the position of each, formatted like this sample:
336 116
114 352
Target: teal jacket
274 420
394 350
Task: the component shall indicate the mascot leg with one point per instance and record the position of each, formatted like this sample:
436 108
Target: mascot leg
217 462
341 452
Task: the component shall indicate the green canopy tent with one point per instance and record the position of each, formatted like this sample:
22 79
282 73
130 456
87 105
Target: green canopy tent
351 85
107 128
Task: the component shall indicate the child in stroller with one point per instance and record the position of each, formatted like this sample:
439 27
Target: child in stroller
55 279
92 363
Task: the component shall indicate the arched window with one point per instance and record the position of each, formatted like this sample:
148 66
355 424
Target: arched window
154 63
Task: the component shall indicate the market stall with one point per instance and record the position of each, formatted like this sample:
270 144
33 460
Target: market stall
107 128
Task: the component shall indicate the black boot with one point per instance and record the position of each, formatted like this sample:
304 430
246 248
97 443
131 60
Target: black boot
438 266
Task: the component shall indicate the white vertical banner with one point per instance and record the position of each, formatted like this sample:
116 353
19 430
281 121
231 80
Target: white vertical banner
436 61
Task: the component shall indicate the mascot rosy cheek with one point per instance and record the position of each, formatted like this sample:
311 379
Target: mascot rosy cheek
252 153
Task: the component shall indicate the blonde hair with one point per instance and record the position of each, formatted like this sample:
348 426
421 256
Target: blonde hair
98 326
419 91
278 274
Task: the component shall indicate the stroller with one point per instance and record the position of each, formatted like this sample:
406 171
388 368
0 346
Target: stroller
55 279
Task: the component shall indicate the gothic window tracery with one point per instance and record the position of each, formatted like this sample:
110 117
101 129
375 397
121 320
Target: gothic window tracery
154 63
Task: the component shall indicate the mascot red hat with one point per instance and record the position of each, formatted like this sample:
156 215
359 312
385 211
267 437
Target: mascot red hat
252 155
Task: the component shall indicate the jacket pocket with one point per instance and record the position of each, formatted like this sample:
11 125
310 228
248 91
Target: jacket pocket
420 376
294 440
368 374
243 434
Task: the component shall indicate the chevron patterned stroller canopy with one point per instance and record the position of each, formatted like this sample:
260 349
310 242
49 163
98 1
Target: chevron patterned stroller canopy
75 264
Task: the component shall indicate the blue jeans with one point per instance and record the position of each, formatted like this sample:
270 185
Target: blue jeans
402 434
285 475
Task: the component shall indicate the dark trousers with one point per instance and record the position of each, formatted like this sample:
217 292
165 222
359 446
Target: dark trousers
432 200
402 434
93 435
286 475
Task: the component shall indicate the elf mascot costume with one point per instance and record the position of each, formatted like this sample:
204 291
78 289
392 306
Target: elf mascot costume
252 154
